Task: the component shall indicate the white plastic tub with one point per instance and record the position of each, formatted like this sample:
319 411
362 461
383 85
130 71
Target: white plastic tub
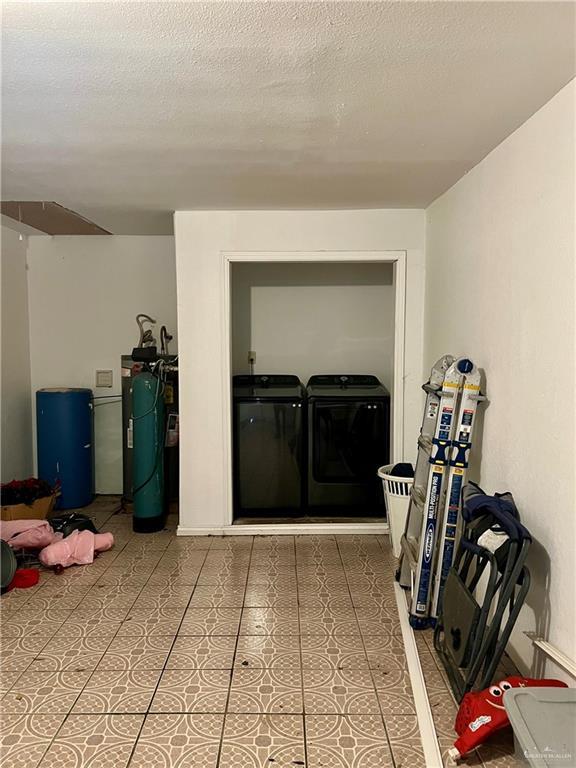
544 724
397 497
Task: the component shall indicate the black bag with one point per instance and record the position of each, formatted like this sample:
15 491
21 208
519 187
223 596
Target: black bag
73 521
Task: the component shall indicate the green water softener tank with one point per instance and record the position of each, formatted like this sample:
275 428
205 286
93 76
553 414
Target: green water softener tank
148 478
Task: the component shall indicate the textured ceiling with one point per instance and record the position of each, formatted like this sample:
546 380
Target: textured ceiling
125 112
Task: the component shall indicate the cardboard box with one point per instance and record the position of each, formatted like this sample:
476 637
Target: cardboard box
39 510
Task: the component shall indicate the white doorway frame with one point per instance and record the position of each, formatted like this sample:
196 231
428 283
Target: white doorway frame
398 260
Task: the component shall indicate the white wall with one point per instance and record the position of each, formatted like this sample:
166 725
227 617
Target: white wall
201 239
16 408
314 318
84 295
500 288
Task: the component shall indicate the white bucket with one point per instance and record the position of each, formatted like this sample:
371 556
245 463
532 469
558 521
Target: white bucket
397 496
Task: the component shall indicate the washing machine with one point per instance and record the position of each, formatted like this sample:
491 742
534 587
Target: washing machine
348 439
268 444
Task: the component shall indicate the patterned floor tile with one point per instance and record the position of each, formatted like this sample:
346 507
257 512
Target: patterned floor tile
404 737
276 561
157 543
266 691
190 543
211 621
117 576
112 591
70 653
181 576
113 692
444 709
7 680
25 738
384 650
337 605
390 624
258 741
346 691
270 574
236 562
188 741
16 600
189 691
149 623
270 596
371 586
180 594
33 623
330 626
382 614
66 598
329 652
129 653
100 610
137 559
202 652
45 692
366 602
224 574
397 700
327 617
325 574
280 620
336 741
18 653
147 604
88 627
323 588
185 564
231 581
392 675
268 652
217 597
266 577
105 741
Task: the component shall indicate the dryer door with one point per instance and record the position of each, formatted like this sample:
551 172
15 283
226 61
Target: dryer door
350 441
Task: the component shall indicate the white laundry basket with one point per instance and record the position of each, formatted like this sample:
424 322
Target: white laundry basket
397 496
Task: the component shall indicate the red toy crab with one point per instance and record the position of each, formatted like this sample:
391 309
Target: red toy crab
482 712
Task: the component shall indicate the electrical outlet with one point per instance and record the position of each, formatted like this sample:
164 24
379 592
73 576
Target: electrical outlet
252 357
104 379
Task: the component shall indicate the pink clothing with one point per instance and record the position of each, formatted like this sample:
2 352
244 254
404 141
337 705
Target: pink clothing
77 549
27 534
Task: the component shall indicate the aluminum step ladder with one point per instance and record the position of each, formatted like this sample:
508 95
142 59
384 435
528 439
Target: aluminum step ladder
449 526
443 453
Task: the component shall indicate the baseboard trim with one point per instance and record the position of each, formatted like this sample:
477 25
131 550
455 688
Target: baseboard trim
287 529
432 754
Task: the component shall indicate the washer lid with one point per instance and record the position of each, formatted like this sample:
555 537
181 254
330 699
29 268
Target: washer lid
273 386
354 385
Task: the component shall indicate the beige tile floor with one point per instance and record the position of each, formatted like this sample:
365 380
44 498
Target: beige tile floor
233 652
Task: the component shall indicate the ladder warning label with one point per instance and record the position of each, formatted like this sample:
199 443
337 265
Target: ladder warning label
445 422
446 415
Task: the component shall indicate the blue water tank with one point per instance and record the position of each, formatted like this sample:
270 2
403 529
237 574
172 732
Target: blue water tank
64 423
